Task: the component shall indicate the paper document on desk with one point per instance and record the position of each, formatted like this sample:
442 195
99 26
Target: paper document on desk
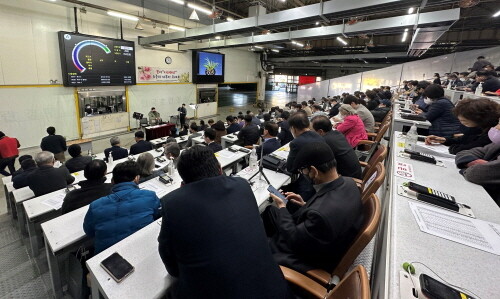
281 154
55 201
436 150
454 227
154 185
225 154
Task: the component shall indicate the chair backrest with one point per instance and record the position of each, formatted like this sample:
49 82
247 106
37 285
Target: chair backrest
376 177
143 121
371 213
381 132
354 285
378 156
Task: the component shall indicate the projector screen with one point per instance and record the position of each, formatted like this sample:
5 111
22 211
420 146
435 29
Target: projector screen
88 60
208 67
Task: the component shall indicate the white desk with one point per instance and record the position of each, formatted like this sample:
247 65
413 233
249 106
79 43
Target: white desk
229 159
199 139
454 95
7 181
150 278
398 123
459 264
180 140
228 140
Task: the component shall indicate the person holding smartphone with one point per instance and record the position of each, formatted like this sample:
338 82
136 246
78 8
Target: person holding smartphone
319 233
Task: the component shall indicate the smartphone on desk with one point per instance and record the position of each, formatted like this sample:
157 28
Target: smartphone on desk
118 267
434 289
273 190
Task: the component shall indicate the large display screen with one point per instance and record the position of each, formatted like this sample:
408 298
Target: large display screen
96 61
208 67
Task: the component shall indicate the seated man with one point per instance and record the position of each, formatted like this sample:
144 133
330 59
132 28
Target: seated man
347 161
209 138
46 178
320 232
381 111
184 131
91 189
117 152
77 162
27 167
193 129
172 151
154 116
21 159
480 165
232 123
249 134
285 135
271 142
231 265
126 210
140 145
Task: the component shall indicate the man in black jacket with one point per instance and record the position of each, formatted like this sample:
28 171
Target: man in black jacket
202 242
285 136
299 126
140 145
321 231
21 179
249 134
77 162
55 144
271 143
490 82
347 161
335 107
91 189
232 123
209 138
117 152
182 114
46 178
21 159
381 111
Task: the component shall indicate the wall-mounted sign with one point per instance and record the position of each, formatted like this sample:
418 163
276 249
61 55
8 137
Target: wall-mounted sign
156 74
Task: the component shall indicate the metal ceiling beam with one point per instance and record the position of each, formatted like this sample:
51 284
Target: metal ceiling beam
330 65
385 26
340 57
292 17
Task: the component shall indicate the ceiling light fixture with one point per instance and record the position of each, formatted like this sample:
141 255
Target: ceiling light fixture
181 2
496 14
259 47
122 15
317 23
229 19
405 35
138 26
178 28
217 37
298 44
194 16
411 10
200 8
275 50
341 40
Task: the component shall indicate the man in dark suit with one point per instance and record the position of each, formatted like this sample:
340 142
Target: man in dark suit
285 136
232 123
21 180
209 138
321 231
117 152
347 161
271 143
77 161
335 107
55 144
91 189
46 178
182 114
140 145
299 126
201 241
249 134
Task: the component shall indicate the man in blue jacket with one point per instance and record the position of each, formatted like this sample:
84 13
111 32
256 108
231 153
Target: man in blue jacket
126 210
271 143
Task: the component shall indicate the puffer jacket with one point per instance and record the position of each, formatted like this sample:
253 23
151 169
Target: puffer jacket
126 210
440 115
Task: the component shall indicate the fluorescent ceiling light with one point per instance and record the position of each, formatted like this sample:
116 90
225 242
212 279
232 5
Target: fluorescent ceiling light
317 23
275 50
200 8
181 2
496 14
405 35
122 15
341 40
297 44
258 47
229 19
174 27
411 10
217 37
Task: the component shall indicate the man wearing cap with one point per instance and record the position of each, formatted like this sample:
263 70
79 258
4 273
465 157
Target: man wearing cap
320 232
154 116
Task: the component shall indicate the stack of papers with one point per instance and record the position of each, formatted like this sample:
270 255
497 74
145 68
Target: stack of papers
56 201
435 150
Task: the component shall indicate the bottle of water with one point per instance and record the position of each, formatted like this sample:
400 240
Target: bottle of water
449 85
253 159
171 168
479 89
408 104
110 158
411 138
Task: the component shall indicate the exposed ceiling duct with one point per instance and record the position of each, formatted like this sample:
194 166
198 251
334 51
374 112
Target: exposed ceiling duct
380 26
340 57
280 19
424 38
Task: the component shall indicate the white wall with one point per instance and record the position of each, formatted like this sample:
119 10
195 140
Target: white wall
29 56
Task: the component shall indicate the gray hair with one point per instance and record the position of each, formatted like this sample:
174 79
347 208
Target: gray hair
44 158
146 163
172 148
114 140
348 108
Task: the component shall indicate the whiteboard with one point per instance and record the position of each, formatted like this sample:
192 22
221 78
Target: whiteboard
26 112
101 124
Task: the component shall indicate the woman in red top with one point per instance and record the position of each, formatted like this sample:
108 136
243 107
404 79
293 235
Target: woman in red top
352 127
8 153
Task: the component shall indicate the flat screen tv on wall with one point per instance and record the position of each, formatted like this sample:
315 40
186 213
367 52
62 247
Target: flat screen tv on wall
208 67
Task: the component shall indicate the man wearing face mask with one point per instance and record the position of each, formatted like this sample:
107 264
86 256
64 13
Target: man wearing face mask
481 165
419 99
319 233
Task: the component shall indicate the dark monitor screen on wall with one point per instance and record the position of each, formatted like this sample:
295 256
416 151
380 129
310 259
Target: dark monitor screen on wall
208 67
88 60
